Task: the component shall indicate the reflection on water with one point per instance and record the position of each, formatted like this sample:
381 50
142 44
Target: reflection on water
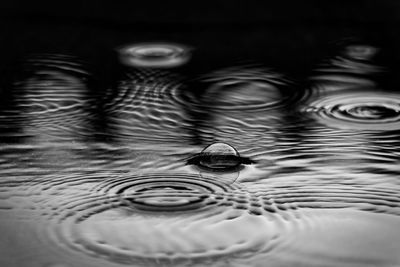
249 170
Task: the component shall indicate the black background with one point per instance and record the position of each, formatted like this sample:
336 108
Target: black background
290 36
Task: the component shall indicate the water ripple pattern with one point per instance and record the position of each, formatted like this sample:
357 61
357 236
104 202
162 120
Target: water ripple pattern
352 68
167 217
50 97
149 106
245 89
270 184
358 110
345 97
154 55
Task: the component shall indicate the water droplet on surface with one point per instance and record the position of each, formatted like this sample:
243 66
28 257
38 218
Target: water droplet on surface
221 160
154 55
219 157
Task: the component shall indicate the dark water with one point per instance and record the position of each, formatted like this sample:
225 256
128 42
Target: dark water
238 165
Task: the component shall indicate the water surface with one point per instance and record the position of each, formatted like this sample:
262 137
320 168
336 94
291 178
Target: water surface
238 166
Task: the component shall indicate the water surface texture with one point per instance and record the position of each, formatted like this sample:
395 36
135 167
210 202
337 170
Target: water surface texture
238 166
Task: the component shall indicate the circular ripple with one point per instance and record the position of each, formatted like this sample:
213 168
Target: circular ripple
127 220
358 110
361 52
164 193
217 157
159 55
243 88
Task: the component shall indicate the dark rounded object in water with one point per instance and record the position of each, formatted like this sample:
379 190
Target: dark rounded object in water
219 157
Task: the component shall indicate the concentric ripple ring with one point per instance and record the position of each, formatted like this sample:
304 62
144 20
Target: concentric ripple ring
167 193
135 219
158 55
357 110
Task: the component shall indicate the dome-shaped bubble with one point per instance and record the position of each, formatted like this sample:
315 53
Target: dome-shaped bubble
154 55
219 157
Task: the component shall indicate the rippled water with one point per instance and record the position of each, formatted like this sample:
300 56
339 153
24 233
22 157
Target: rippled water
235 167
